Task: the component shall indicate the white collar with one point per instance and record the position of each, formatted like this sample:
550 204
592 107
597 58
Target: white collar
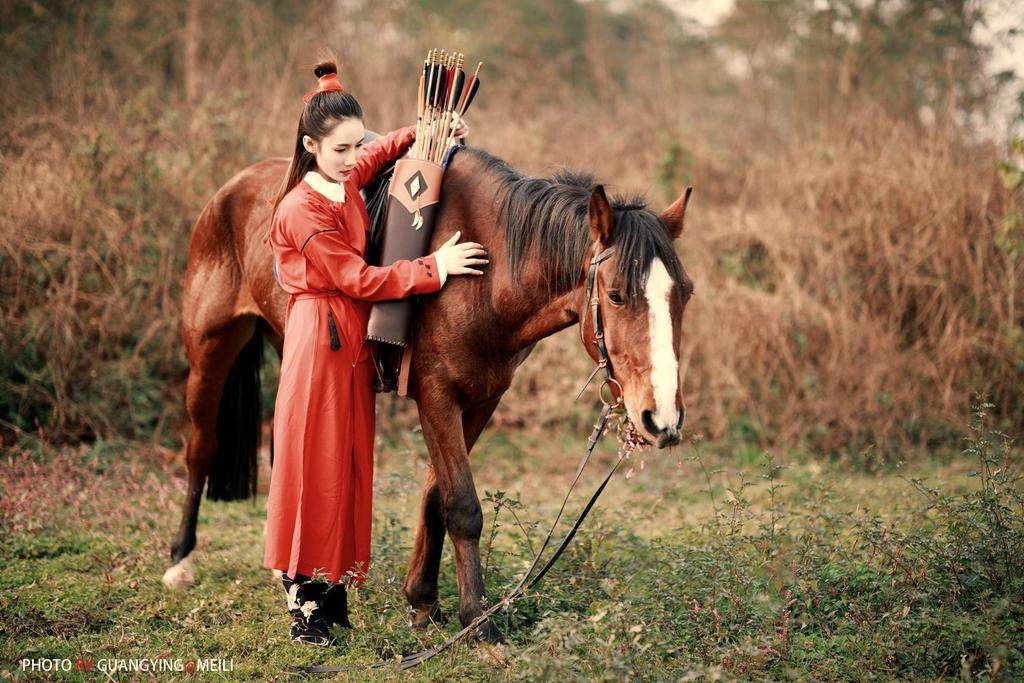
333 191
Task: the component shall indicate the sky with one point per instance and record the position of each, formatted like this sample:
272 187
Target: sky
1002 17
704 12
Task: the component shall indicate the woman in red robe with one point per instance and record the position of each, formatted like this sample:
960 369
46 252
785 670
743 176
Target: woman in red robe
321 487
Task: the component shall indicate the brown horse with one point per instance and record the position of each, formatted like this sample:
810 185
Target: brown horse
540 234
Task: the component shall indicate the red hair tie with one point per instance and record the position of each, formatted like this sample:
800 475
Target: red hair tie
326 83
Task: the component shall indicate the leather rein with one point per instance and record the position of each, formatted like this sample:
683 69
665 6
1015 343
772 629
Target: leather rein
610 393
592 294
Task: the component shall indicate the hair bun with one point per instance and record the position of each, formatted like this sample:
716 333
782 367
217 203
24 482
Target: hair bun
325 67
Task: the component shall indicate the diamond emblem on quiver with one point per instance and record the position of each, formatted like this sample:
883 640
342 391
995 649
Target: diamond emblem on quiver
416 185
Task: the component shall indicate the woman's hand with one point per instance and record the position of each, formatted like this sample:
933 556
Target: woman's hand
462 129
458 259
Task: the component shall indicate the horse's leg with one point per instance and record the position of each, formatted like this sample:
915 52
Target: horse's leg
424 565
463 517
421 578
211 354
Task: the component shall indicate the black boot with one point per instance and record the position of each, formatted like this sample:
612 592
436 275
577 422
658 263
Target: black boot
336 606
306 605
308 632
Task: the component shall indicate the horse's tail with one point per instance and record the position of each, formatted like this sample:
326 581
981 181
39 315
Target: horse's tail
234 469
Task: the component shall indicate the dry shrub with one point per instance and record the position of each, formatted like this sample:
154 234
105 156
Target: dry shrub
855 293
101 185
89 272
849 289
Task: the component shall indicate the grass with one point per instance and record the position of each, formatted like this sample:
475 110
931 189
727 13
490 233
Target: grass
694 566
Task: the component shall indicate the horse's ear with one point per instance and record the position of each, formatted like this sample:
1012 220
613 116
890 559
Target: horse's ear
602 217
673 215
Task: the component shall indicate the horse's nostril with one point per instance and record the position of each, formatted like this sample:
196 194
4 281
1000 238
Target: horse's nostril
648 420
681 420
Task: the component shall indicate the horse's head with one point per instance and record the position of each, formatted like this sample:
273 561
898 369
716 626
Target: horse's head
642 291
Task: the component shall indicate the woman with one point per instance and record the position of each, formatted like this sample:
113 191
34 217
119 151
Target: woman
319 507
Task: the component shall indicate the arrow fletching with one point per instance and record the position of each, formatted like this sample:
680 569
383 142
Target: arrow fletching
472 93
445 93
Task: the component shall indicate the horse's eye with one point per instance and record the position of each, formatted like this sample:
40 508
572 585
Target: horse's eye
616 298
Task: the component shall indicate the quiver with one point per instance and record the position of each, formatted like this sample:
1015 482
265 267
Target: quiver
411 210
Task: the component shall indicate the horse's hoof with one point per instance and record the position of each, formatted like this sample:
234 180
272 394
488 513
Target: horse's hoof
181 575
489 633
428 615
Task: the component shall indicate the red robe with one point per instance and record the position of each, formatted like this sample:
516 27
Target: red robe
321 486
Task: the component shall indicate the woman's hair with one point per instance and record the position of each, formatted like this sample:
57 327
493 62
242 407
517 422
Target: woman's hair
319 116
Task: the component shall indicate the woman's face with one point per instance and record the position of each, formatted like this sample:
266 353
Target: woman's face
337 153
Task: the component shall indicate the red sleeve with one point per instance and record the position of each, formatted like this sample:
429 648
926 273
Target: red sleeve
345 268
381 152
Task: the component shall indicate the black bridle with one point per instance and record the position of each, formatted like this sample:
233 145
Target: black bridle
611 403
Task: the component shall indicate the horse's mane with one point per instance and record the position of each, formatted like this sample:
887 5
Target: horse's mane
549 217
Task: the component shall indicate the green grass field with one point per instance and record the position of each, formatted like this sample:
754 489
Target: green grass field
701 563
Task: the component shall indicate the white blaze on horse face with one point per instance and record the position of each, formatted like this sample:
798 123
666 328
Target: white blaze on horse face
664 366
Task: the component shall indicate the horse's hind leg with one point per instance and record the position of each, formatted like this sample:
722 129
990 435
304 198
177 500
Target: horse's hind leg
424 565
212 354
